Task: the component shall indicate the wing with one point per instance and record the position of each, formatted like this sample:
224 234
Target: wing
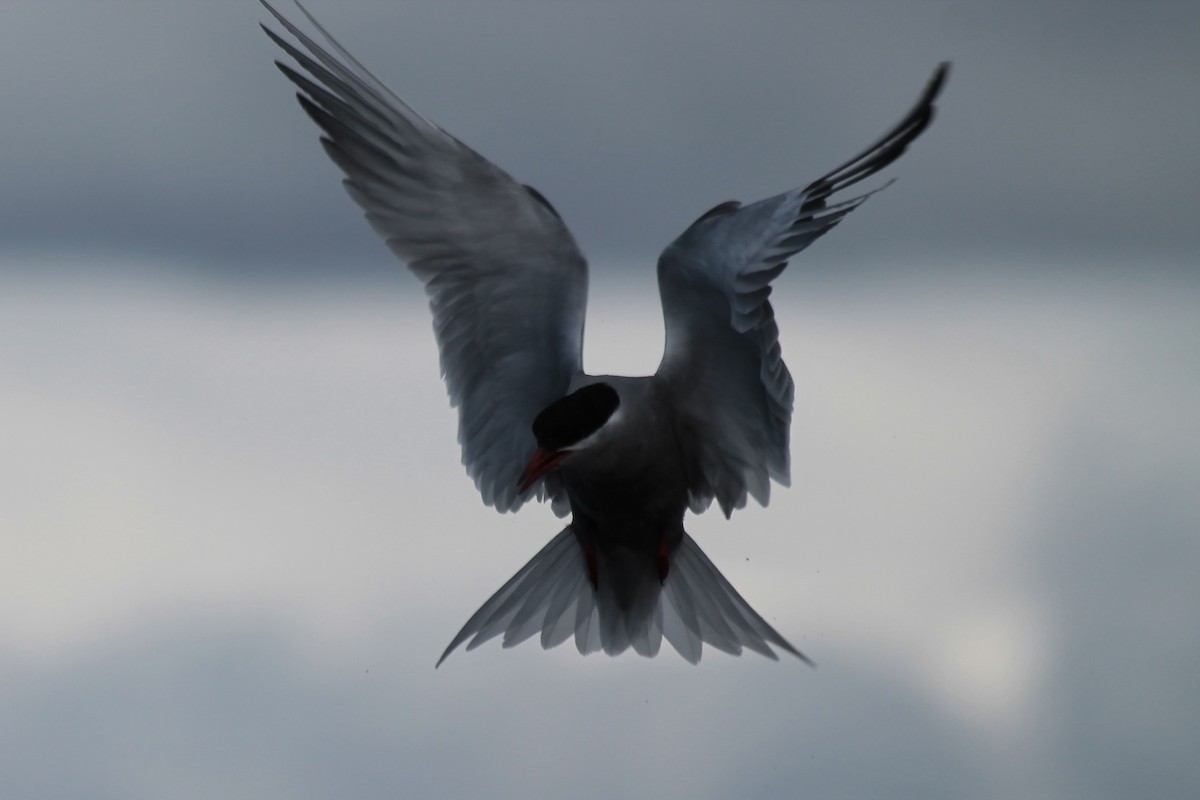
506 282
722 363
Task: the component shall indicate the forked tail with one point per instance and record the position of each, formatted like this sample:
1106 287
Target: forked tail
554 595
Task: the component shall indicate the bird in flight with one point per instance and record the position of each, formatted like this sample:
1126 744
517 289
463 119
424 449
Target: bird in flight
625 457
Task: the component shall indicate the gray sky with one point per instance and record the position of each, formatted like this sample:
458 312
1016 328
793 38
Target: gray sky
236 536
162 128
234 530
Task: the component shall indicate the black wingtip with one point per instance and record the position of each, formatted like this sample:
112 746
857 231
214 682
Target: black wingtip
934 88
938 79
883 152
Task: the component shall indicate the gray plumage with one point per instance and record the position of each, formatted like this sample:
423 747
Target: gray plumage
507 286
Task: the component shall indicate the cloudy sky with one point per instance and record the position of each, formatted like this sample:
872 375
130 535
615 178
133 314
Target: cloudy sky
234 532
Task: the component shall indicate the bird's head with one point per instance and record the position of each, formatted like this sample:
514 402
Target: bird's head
568 426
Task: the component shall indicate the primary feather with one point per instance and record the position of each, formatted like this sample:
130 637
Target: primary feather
506 282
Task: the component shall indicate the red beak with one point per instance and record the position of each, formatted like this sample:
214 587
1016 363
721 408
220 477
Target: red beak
542 462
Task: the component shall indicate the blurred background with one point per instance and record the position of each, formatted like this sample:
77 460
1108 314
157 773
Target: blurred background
234 531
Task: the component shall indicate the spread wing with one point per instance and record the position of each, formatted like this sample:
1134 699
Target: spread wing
506 282
722 363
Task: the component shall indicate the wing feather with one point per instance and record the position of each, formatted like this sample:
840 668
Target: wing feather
722 362
507 284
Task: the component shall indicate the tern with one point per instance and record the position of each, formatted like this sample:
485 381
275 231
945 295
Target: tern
625 457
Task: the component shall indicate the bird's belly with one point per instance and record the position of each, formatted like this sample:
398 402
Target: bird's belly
630 514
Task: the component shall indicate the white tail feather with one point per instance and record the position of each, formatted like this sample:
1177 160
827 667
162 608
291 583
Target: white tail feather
630 607
724 619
